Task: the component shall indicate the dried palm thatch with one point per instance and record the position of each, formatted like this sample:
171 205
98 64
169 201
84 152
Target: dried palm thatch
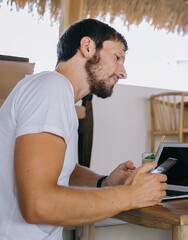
42 5
169 14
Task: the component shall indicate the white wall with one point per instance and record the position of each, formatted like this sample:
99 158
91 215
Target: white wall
131 232
124 232
122 127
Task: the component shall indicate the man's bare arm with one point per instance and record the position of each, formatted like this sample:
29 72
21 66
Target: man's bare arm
38 163
82 176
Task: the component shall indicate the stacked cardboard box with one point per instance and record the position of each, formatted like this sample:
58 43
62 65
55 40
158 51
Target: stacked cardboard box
12 72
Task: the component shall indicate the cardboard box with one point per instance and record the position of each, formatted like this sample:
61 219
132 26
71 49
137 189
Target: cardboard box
11 73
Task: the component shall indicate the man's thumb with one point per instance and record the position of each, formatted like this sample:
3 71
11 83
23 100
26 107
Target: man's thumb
146 167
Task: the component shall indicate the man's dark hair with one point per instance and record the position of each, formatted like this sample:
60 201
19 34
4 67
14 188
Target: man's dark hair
99 32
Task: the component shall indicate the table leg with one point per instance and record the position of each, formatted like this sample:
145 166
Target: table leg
180 232
85 232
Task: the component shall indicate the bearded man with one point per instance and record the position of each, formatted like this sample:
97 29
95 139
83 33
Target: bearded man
42 186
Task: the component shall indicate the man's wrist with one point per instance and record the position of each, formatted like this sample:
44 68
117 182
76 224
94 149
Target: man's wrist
100 181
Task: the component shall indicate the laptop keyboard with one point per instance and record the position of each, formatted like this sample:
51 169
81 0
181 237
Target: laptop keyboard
173 193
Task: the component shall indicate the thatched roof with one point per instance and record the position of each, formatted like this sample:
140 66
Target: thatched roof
169 14
42 5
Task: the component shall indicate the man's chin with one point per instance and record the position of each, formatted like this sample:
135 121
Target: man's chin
103 94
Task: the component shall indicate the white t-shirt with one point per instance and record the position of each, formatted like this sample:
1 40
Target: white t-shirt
40 102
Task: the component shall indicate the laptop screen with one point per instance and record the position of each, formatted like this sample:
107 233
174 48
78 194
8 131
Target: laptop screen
178 174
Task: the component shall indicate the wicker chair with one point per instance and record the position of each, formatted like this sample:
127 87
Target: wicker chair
168 115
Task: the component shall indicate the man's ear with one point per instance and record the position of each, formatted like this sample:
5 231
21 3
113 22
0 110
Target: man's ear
87 47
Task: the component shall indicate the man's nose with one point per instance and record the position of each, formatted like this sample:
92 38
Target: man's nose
122 73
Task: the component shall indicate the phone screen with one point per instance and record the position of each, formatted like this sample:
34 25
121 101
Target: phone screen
167 164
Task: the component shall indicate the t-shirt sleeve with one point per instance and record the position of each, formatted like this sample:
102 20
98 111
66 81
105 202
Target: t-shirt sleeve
44 106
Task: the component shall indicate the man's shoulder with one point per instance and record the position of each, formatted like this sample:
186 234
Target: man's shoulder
50 80
44 87
53 79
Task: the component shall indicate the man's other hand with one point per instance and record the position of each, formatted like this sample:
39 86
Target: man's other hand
120 174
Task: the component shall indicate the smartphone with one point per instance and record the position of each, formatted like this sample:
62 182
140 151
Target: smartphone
166 165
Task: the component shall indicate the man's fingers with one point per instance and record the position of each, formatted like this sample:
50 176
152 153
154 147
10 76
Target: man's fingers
127 165
162 177
164 186
163 193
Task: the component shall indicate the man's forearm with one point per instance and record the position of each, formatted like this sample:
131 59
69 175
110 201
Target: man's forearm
82 176
65 206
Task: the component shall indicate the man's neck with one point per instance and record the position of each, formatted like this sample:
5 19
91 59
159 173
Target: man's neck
76 74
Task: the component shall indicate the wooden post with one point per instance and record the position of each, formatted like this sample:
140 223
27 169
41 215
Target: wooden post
180 232
85 232
71 11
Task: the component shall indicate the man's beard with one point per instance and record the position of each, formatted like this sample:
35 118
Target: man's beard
97 83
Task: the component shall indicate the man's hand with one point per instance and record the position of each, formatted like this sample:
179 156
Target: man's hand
148 188
120 174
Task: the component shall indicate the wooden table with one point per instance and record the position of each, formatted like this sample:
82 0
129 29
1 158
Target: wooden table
171 214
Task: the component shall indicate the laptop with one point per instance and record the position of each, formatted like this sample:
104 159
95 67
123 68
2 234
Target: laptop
178 174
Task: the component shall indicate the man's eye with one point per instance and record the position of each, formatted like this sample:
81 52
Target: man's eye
117 57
